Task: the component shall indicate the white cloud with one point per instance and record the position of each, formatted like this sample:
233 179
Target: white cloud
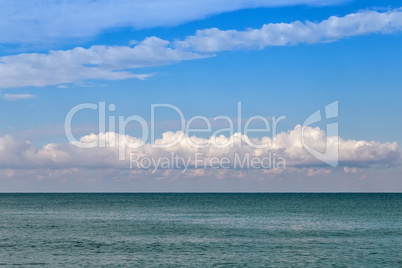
96 62
51 21
16 97
115 62
282 34
16 154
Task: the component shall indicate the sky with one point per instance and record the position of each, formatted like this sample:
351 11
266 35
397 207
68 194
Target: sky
274 59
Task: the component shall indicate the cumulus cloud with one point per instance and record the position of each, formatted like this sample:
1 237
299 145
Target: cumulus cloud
365 166
16 97
51 21
115 62
15 154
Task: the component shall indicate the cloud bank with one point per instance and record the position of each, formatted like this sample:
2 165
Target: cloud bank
51 21
117 62
16 154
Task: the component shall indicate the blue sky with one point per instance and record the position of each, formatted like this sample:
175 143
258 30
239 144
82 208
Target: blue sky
361 71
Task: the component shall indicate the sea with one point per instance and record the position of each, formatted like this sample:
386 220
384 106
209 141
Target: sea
201 230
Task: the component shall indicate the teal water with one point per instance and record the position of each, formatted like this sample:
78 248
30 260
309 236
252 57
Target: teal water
201 230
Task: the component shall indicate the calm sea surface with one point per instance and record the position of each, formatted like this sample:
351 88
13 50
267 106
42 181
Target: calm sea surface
201 230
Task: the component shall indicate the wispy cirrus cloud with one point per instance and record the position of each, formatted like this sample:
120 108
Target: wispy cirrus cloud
16 97
53 21
114 62
283 34
96 62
